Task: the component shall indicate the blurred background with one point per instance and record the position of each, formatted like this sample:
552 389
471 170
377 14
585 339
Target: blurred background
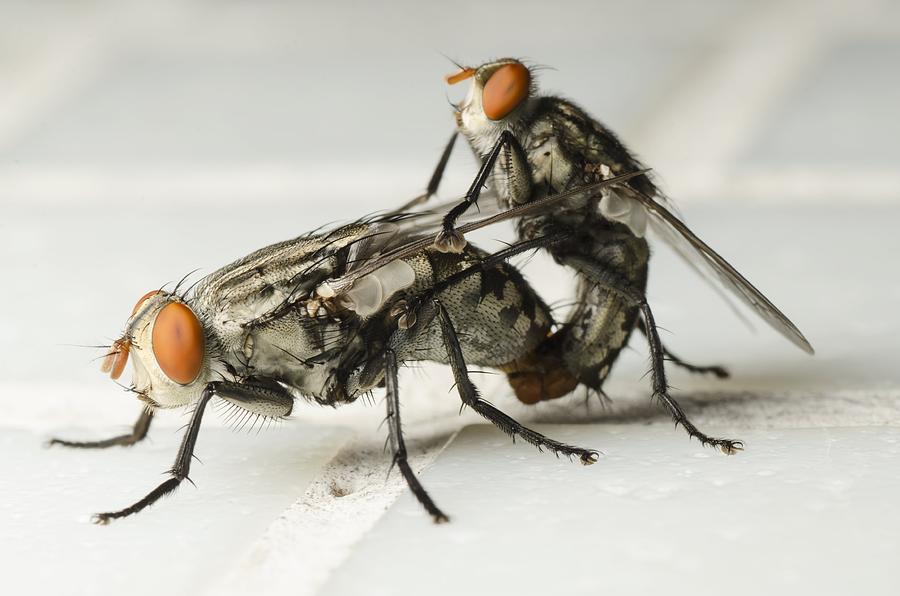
142 140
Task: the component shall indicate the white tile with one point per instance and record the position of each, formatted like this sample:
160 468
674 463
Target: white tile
801 511
179 545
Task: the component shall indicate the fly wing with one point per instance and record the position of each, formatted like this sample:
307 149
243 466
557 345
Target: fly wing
711 265
420 228
414 232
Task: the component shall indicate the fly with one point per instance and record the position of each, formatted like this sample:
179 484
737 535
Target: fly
536 147
329 317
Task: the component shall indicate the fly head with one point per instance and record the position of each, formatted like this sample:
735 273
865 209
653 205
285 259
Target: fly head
498 97
169 347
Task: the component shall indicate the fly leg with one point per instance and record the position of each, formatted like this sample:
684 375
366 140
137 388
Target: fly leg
718 371
470 397
179 471
448 239
436 177
398 446
137 434
607 279
262 395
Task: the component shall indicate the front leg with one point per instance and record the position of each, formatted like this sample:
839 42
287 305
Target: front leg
436 177
261 397
137 434
449 239
179 471
398 446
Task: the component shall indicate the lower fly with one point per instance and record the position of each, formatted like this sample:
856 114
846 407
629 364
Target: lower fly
329 317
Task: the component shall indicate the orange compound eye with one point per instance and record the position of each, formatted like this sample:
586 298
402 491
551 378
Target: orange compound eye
178 343
505 90
141 301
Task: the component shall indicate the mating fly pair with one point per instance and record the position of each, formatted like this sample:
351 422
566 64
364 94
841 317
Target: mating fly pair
330 316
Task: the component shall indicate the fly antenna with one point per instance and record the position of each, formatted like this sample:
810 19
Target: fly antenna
452 61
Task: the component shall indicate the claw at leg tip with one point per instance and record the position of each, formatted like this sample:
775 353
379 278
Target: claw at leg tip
589 458
99 519
732 448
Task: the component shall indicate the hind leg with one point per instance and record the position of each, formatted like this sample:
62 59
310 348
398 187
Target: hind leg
718 371
606 278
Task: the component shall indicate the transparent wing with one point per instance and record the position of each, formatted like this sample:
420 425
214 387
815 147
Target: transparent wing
419 229
415 232
709 263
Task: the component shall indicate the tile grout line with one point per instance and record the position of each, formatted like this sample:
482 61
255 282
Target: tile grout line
302 548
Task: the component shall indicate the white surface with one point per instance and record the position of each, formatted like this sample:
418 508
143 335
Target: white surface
803 511
140 140
50 546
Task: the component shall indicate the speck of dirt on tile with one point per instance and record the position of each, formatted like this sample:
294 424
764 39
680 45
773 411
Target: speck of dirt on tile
339 491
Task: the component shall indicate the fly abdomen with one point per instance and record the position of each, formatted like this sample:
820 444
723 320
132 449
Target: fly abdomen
603 319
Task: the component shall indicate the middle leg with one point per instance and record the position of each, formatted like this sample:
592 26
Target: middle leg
436 177
137 434
398 445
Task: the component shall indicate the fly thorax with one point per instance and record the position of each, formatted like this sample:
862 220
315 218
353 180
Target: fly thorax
551 171
228 331
511 179
290 348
